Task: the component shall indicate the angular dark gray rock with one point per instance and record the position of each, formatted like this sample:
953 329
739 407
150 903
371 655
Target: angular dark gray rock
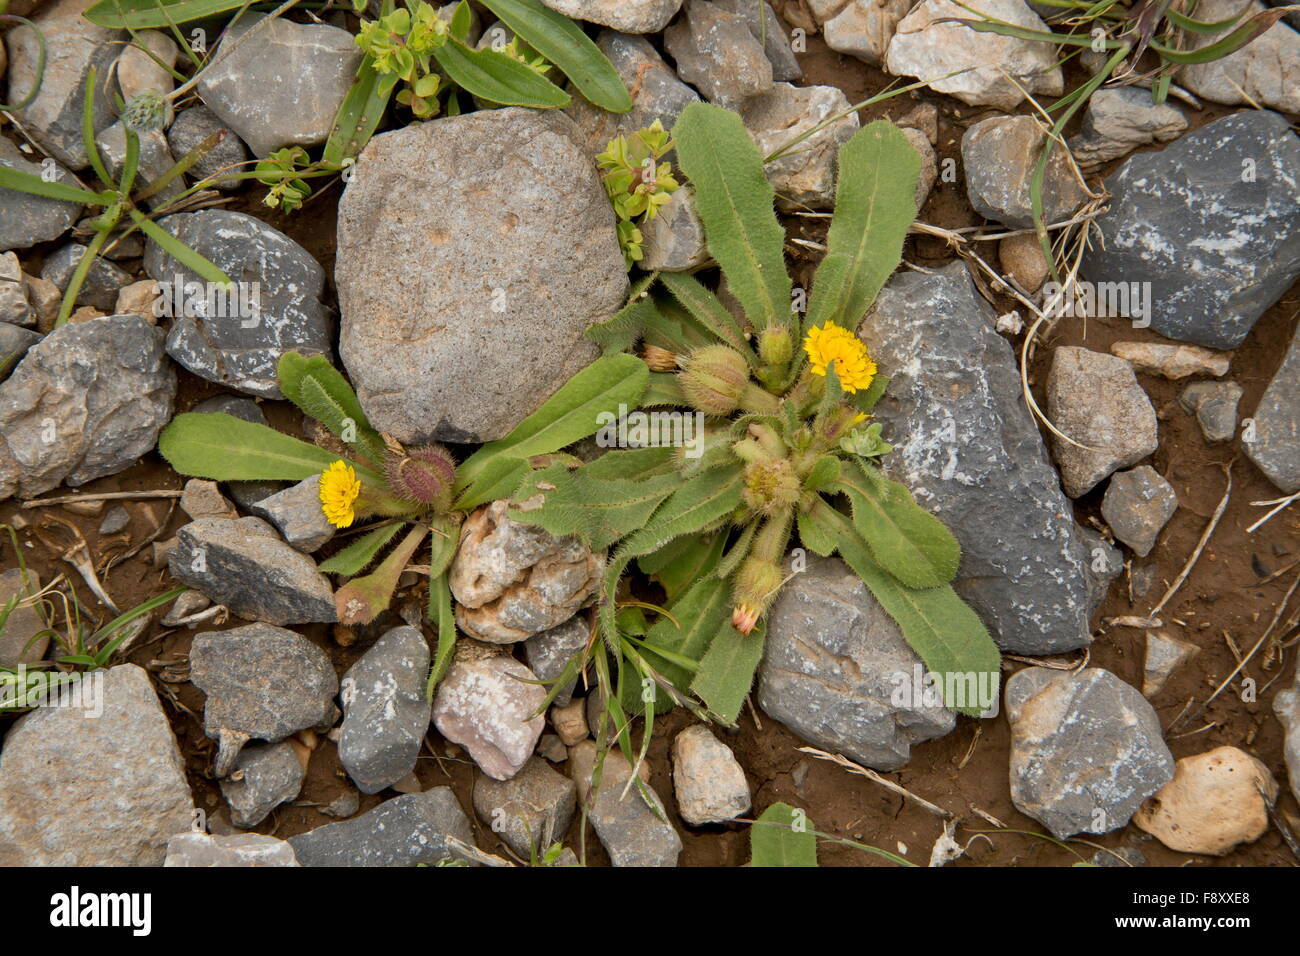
154 159
385 713
25 219
805 176
768 29
284 85
235 849
243 564
715 52
86 401
73 45
549 652
296 513
192 127
264 776
261 682
1215 406
967 447
1086 749
102 282
530 811
473 253
14 344
1212 222
631 832
1271 436
657 93
833 667
1096 400
119 779
404 831
237 339
1137 506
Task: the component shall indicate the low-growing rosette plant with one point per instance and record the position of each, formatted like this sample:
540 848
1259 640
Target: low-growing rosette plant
788 447
389 492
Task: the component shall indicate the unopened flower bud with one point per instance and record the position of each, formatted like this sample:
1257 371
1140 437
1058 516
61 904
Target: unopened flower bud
715 379
757 582
659 360
145 112
775 347
423 474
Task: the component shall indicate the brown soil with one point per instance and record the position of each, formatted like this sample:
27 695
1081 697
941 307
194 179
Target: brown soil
1232 593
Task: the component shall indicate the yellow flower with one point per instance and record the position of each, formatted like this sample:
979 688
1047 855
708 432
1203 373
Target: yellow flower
853 363
339 488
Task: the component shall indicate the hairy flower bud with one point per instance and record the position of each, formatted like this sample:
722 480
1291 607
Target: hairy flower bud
145 112
423 474
715 379
770 486
659 360
756 585
775 347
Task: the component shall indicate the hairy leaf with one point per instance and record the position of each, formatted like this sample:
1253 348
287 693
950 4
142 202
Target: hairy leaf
727 671
708 311
321 391
782 836
497 77
357 556
440 612
875 203
598 511
224 448
734 201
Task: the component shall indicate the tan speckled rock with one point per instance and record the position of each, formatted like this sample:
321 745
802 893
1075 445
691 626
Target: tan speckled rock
486 706
1212 804
512 580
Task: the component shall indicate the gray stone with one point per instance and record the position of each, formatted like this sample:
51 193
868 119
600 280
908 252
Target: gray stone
673 241
929 173
1286 704
86 401
25 621
235 849
262 682
1164 655
973 455
716 53
243 564
657 94
1128 856
708 780
1118 120
15 309
1086 749
1137 506
186 603
1096 400
279 309
155 159
283 86
263 778
473 253
246 493
768 29
530 811
25 219
1265 72
549 652
191 128
101 284
405 831
831 667
513 580
83 790
804 177
487 706
861 28
115 520
1217 247
297 515
73 45
1215 406
385 713
999 156
14 344
201 498
630 16
1273 440
631 832
990 70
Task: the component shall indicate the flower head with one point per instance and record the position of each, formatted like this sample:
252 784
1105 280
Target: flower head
339 489
831 343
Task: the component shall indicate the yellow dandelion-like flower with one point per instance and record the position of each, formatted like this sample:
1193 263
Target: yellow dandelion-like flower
339 488
853 363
